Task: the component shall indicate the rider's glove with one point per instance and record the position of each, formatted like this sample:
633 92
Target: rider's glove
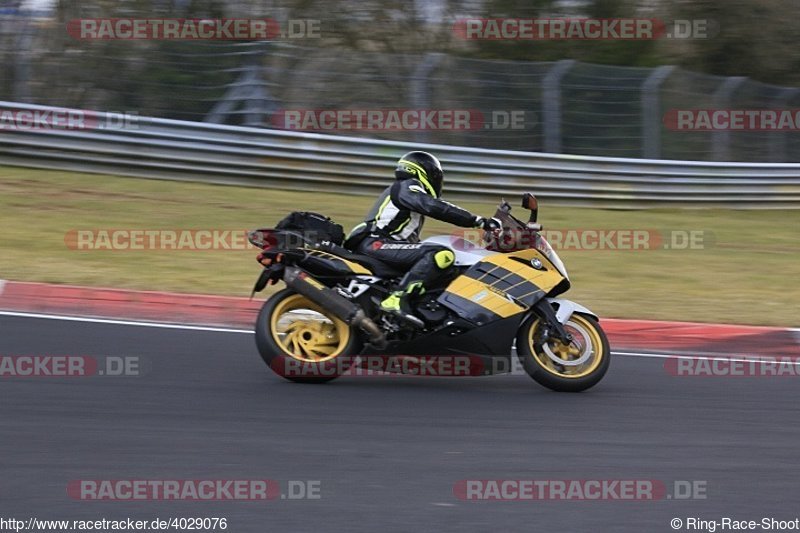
488 224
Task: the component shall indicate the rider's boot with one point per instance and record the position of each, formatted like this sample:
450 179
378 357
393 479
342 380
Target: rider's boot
397 303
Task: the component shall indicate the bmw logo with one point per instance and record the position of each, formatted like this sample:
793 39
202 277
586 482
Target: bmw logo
536 263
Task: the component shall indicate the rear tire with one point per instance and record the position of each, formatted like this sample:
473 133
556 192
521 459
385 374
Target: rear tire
573 368
302 342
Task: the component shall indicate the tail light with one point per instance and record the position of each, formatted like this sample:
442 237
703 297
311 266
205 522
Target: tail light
269 259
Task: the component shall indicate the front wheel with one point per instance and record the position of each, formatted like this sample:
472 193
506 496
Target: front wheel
565 368
301 341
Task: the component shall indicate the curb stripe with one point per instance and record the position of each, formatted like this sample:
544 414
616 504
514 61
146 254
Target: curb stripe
237 314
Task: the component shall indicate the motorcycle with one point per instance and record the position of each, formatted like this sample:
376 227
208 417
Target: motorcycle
503 294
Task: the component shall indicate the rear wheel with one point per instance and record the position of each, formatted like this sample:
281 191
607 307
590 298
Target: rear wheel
566 368
303 342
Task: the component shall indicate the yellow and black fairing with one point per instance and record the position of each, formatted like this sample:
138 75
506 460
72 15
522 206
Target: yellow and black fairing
503 286
489 300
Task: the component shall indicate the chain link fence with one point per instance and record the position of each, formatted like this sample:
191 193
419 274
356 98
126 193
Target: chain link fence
556 107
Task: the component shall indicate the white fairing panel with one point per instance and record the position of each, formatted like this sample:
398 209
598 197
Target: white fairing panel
467 253
566 308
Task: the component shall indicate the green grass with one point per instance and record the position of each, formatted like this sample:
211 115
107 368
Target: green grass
747 275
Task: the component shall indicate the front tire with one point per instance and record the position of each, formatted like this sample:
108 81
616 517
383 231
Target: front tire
301 341
573 368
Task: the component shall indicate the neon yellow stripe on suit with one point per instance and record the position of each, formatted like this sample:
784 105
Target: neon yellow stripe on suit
403 225
382 207
421 175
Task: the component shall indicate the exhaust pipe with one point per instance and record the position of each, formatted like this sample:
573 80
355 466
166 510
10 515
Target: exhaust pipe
342 308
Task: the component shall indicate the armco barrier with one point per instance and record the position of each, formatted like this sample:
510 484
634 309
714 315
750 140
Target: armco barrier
194 151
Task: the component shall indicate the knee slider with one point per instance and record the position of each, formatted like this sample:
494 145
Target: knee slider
444 258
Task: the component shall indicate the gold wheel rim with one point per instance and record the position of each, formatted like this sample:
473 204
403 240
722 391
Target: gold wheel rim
306 332
587 344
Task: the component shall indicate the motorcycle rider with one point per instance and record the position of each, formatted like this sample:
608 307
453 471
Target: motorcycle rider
391 230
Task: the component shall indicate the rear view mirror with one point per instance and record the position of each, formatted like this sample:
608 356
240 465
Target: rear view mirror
529 202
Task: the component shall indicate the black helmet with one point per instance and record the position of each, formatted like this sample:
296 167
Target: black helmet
424 167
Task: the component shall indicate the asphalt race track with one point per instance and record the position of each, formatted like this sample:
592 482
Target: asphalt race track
387 451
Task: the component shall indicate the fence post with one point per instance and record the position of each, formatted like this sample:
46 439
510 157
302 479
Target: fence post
778 152
721 140
22 61
651 112
248 91
551 105
420 89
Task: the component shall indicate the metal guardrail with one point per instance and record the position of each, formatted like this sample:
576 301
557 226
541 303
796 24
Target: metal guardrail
193 151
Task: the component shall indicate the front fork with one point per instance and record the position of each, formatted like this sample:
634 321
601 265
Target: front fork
552 327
